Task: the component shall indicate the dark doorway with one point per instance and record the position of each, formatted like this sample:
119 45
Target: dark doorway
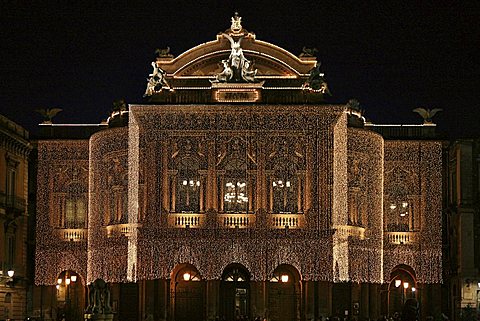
235 293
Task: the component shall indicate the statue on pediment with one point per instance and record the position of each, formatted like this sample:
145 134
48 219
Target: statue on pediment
236 68
163 53
316 82
308 52
156 81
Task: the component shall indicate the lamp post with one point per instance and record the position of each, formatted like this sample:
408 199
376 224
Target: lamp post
69 280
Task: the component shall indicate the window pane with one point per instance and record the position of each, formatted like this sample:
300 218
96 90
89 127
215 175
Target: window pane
235 197
69 213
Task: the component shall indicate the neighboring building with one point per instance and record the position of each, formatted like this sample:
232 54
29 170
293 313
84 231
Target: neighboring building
14 160
234 190
463 227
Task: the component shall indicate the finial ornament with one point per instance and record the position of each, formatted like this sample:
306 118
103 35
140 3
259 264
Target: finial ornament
236 26
427 114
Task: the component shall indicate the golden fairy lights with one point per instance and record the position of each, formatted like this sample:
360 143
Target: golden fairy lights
357 185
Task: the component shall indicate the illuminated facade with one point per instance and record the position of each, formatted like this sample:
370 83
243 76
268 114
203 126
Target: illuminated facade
234 190
14 160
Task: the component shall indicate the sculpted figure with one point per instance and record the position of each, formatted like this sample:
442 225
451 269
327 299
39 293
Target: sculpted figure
156 79
226 74
237 68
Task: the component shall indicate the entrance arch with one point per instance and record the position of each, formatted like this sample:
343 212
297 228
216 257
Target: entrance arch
235 293
188 293
70 295
284 294
402 286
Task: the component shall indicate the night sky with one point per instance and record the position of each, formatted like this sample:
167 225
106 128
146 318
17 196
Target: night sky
393 56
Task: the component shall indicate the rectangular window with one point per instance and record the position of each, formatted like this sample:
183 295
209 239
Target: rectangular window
11 251
11 177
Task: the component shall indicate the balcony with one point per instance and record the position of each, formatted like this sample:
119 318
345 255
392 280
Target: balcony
12 202
121 229
287 221
190 220
345 231
236 220
72 234
401 237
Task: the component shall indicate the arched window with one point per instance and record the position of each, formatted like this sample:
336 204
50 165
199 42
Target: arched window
75 206
188 178
286 179
188 186
236 177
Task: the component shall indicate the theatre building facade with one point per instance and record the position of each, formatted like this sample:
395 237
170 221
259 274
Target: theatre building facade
235 191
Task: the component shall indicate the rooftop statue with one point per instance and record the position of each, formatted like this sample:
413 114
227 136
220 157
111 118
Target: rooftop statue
316 82
163 53
427 114
236 68
48 114
156 81
308 52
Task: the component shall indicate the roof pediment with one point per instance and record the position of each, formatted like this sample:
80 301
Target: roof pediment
205 59
235 67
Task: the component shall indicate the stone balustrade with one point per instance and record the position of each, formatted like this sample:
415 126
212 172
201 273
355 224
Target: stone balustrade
190 220
236 220
345 231
287 220
121 229
400 237
73 234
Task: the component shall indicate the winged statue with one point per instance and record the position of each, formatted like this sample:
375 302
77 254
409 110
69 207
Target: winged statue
427 114
48 113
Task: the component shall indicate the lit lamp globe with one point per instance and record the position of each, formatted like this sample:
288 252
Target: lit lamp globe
11 273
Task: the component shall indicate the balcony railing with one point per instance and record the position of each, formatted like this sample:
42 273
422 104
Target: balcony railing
186 220
73 234
287 220
13 202
401 237
121 229
236 220
350 231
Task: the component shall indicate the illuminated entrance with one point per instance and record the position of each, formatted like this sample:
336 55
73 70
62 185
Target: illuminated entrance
284 294
188 295
235 293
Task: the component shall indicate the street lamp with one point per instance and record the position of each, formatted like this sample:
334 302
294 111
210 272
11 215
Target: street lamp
68 280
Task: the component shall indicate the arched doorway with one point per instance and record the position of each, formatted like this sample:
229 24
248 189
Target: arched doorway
235 293
188 295
70 296
402 286
284 294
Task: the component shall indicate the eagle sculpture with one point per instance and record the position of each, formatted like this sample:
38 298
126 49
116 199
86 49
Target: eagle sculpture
427 114
48 113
